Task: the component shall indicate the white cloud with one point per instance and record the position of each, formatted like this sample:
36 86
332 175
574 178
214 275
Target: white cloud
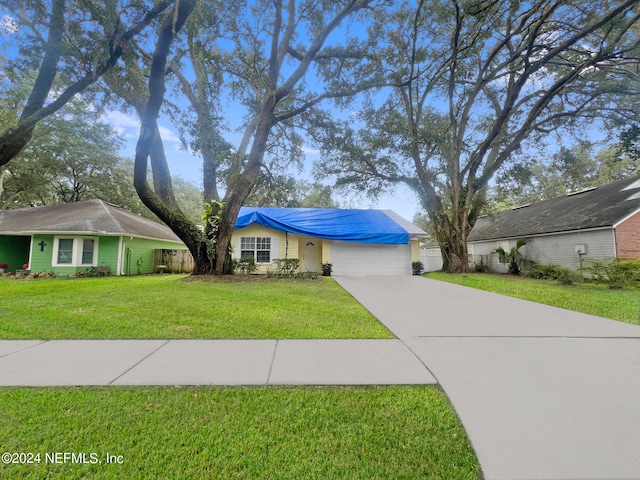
310 151
126 125
8 24
129 126
168 135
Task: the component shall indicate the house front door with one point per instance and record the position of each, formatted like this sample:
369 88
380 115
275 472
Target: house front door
310 254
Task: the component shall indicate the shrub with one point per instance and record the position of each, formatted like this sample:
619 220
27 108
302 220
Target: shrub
326 269
246 265
482 266
295 275
563 275
287 266
616 272
417 268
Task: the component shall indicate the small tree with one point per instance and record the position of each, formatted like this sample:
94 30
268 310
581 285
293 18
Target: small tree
514 257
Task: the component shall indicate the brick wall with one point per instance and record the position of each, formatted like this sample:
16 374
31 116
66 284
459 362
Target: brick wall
628 238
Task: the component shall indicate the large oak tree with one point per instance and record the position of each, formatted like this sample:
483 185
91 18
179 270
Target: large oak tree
478 79
277 60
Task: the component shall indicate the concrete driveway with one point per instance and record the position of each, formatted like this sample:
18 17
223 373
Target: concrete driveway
543 393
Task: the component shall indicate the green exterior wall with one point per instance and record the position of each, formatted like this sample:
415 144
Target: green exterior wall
138 254
108 252
41 260
14 251
136 250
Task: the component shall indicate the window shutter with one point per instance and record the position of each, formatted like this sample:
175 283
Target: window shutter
235 241
275 248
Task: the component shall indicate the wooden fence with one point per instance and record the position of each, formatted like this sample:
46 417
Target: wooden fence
172 261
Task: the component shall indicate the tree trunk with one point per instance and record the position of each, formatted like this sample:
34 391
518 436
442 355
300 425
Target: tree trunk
459 257
241 187
199 245
452 239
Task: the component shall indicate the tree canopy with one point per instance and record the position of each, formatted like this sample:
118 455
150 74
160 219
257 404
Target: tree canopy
276 60
477 82
533 178
60 49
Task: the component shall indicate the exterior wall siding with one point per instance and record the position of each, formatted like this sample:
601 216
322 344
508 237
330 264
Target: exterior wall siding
108 252
628 238
41 260
42 256
138 254
291 246
326 251
557 249
415 250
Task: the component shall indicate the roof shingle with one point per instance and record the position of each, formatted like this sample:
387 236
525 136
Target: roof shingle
92 217
603 206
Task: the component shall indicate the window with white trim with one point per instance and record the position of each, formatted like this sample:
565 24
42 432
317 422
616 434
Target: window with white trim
258 248
75 252
65 251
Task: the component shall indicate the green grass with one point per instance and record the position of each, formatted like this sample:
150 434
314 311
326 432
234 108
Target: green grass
622 305
203 432
168 307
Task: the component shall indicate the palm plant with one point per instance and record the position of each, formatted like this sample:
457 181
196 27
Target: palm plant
514 257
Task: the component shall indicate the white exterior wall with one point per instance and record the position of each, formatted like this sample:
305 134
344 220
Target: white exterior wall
478 250
556 249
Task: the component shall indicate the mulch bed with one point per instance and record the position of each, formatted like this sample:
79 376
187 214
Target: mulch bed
239 278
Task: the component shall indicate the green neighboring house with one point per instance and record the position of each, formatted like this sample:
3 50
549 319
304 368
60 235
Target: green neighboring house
73 237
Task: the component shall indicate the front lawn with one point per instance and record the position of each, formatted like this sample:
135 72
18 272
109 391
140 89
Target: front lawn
204 432
623 305
168 307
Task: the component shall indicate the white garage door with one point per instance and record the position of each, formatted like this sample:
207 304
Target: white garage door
370 259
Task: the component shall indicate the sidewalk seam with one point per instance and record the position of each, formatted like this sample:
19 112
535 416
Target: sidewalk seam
138 363
41 342
273 359
419 359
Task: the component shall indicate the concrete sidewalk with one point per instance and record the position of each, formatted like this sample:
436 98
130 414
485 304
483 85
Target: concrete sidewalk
543 393
209 362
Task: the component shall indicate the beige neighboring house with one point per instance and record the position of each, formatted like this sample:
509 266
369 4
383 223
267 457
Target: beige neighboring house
355 242
596 223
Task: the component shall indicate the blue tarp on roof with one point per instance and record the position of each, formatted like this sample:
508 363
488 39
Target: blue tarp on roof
364 226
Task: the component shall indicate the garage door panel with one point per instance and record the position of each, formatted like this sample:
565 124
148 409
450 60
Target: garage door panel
370 259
